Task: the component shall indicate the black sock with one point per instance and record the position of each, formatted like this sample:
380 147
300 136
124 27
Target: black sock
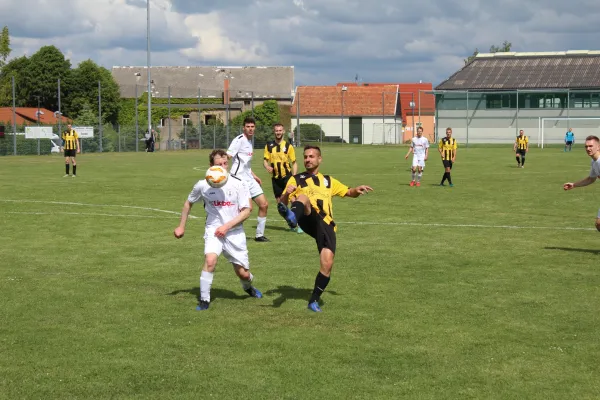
298 209
444 178
67 169
449 178
74 169
518 160
522 160
320 284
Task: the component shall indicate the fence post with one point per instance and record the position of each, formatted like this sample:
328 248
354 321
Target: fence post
467 119
14 113
298 141
100 113
517 116
185 136
119 134
199 121
169 111
137 127
59 113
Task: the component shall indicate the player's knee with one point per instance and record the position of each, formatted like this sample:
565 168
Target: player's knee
210 261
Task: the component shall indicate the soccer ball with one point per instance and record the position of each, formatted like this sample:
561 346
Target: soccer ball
216 176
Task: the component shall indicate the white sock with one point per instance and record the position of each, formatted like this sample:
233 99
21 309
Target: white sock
247 284
413 175
206 279
260 227
419 175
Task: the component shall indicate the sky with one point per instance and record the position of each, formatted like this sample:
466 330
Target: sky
327 41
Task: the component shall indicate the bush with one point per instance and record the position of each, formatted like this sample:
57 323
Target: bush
309 132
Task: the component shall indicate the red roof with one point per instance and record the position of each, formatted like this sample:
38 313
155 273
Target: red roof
362 101
28 116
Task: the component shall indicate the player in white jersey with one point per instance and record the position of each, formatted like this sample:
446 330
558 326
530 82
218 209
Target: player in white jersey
240 151
592 148
226 209
419 146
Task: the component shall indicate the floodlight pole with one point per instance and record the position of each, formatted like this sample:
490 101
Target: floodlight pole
14 117
148 65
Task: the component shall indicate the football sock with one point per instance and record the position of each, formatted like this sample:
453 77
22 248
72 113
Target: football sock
298 209
413 175
247 284
449 178
206 279
320 284
444 178
74 169
67 168
260 226
419 176
522 160
518 160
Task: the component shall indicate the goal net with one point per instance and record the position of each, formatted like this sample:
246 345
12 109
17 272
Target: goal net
387 133
552 130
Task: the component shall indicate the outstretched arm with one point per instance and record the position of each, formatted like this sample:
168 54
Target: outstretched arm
410 150
584 182
359 190
185 212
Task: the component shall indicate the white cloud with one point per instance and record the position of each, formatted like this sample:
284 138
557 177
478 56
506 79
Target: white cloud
326 41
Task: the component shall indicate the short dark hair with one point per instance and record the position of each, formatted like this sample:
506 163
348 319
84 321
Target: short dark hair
309 147
448 129
276 124
420 128
592 137
214 153
249 120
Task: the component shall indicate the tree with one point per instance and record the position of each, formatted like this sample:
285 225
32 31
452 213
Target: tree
16 68
265 115
4 46
309 132
506 46
41 76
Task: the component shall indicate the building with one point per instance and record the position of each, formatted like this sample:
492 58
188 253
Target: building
496 94
238 88
369 113
29 116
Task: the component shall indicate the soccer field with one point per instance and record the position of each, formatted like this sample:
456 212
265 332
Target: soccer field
489 289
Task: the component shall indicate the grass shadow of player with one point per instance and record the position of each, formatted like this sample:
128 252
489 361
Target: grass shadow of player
591 251
289 292
215 293
277 228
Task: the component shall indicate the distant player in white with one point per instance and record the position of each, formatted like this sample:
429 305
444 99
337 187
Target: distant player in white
419 146
240 152
226 209
592 148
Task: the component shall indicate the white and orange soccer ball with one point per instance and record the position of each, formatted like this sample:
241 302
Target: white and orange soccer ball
216 176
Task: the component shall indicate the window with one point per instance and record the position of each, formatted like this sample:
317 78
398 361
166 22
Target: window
585 100
209 119
501 101
186 119
163 122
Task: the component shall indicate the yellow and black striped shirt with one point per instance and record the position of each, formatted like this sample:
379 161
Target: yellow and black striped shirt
319 189
522 142
448 146
281 157
70 137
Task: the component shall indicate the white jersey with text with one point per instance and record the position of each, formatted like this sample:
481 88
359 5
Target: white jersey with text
419 145
240 150
222 204
595 169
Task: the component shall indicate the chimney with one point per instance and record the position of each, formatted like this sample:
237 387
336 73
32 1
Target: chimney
226 91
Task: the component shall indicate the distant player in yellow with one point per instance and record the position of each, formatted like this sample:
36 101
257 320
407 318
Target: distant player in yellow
521 147
71 146
312 210
447 148
279 161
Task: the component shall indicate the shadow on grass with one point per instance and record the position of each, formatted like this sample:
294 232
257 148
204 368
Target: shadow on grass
290 292
271 227
591 251
215 293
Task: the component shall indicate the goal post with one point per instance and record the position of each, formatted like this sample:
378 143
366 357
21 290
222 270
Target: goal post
553 129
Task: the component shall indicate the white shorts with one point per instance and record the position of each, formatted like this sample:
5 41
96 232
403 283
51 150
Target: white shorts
254 188
418 162
233 246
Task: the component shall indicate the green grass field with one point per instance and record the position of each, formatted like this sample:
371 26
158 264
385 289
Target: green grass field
488 290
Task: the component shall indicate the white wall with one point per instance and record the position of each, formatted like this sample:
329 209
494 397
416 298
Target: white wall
333 127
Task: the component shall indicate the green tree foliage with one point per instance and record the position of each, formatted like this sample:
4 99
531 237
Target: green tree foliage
41 75
14 67
265 114
309 132
4 46
504 48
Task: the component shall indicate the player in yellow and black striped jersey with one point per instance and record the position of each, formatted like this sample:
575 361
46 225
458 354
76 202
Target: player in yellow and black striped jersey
448 148
312 210
521 147
279 161
70 139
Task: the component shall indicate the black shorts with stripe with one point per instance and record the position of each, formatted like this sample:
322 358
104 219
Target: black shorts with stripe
70 153
521 152
447 163
324 234
279 185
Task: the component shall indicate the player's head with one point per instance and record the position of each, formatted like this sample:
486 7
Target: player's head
420 131
592 145
278 130
448 132
69 126
218 157
521 132
249 126
312 158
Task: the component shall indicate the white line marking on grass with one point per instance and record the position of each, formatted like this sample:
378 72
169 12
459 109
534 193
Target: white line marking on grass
95 205
88 214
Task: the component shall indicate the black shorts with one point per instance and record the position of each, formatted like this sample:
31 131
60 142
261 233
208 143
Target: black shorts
568 143
447 163
70 153
521 152
323 233
279 185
